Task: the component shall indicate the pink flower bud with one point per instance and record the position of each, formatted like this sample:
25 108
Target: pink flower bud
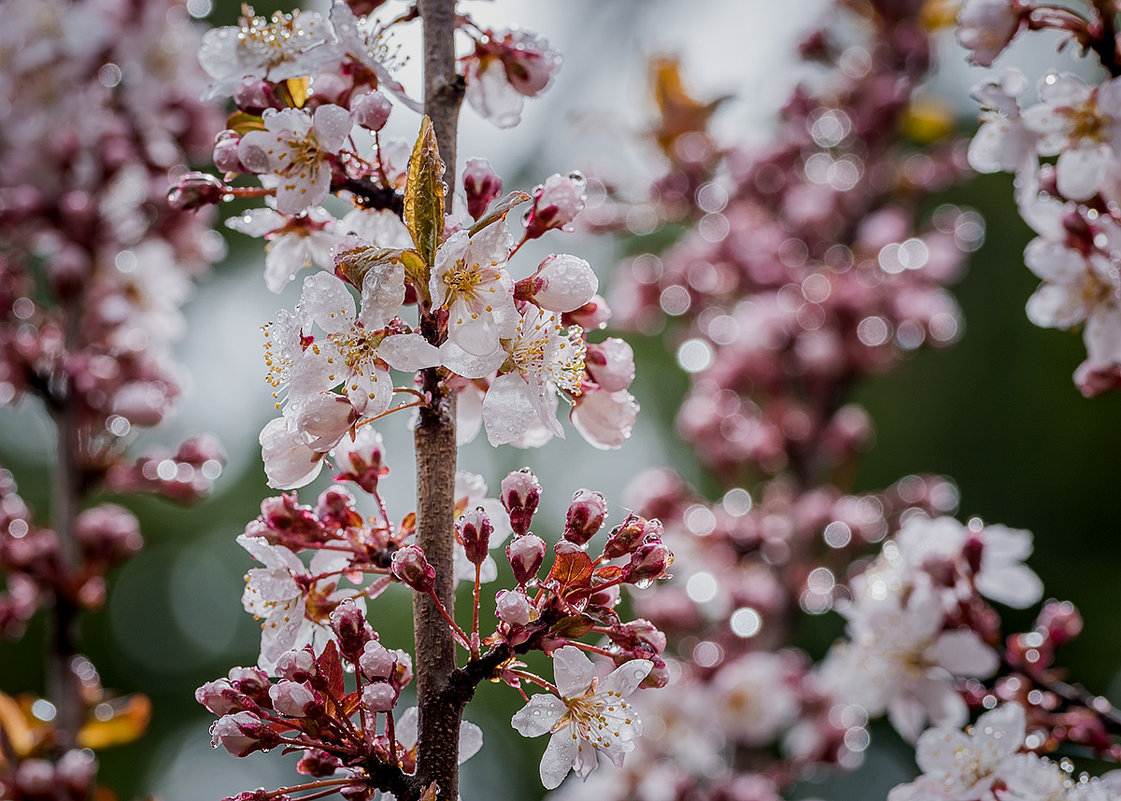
220 697
562 283
526 553
605 419
513 607
297 665
986 27
591 316
251 681
631 535
481 185
610 364
371 110
108 533
294 699
647 563
350 626
529 61
313 763
379 697
520 494
242 733
361 460
474 529
225 152
556 204
254 95
585 516
1060 620
77 770
411 567
377 661
193 190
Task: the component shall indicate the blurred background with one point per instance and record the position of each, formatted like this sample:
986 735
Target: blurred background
997 412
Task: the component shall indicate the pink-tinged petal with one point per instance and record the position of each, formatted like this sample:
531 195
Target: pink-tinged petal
944 706
1002 729
469 365
539 716
371 392
937 750
1016 586
586 760
1054 306
560 756
492 244
1064 89
573 672
626 678
319 246
332 126
329 303
408 352
289 462
964 653
906 716
381 228
468 413
1102 336
275 557
1079 172
490 93
1053 261
605 419
323 420
284 257
252 150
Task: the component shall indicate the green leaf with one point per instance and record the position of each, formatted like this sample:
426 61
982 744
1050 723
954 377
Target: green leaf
424 194
499 211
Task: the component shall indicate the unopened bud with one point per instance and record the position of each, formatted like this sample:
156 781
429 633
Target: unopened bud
108 533
628 537
220 697
1060 620
350 626
556 204
520 494
225 152
481 185
361 459
294 699
371 110
411 567
254 95
193 190
585 516
242 733
474 529
647 563
379 697
251 681
377 661
562 283
526 553
297 665
314 763
512 607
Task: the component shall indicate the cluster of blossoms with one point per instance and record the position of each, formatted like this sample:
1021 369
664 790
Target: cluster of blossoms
315 632
803 269
406 279
98 107
511 348
1063 149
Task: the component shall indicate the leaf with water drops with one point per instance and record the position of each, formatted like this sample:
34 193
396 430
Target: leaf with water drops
424 193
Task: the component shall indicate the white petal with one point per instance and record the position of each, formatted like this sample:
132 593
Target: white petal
284 257
605 419
406 728
328 301
409 352
383 292
963 653
508 409
469 365
538 716
559 757
289 463
470 740
1078 172
626 678
332 126
573 672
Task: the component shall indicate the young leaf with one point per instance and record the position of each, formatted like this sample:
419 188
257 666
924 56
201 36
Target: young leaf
424 194
499 210
571 571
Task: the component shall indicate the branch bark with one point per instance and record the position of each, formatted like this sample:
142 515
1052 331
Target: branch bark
434 437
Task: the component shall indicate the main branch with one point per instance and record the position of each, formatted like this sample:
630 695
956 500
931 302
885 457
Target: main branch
438 724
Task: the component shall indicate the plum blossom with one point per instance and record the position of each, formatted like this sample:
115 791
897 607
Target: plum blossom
964 765
505 69
603 418
590 715
1074 122
986 27
294 612
292 243
468 279
1003 143
544 357
471 494
278 47
562 283
297 147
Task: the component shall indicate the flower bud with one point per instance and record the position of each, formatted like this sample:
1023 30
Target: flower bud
520 494
1060 621
242 733
251 681
294 699
254 95
77 770
371 110
592 316
474 529
379 696
585 516
108 533
481 185
562 283
526 553
350 626
529 61
377 661
361 459
297 665
225 152
411 567
315 763
220 697
610 364
630 535
403 672
647 563
193 190
514 608
556 204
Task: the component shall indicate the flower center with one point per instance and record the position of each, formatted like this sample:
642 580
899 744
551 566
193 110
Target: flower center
274 40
